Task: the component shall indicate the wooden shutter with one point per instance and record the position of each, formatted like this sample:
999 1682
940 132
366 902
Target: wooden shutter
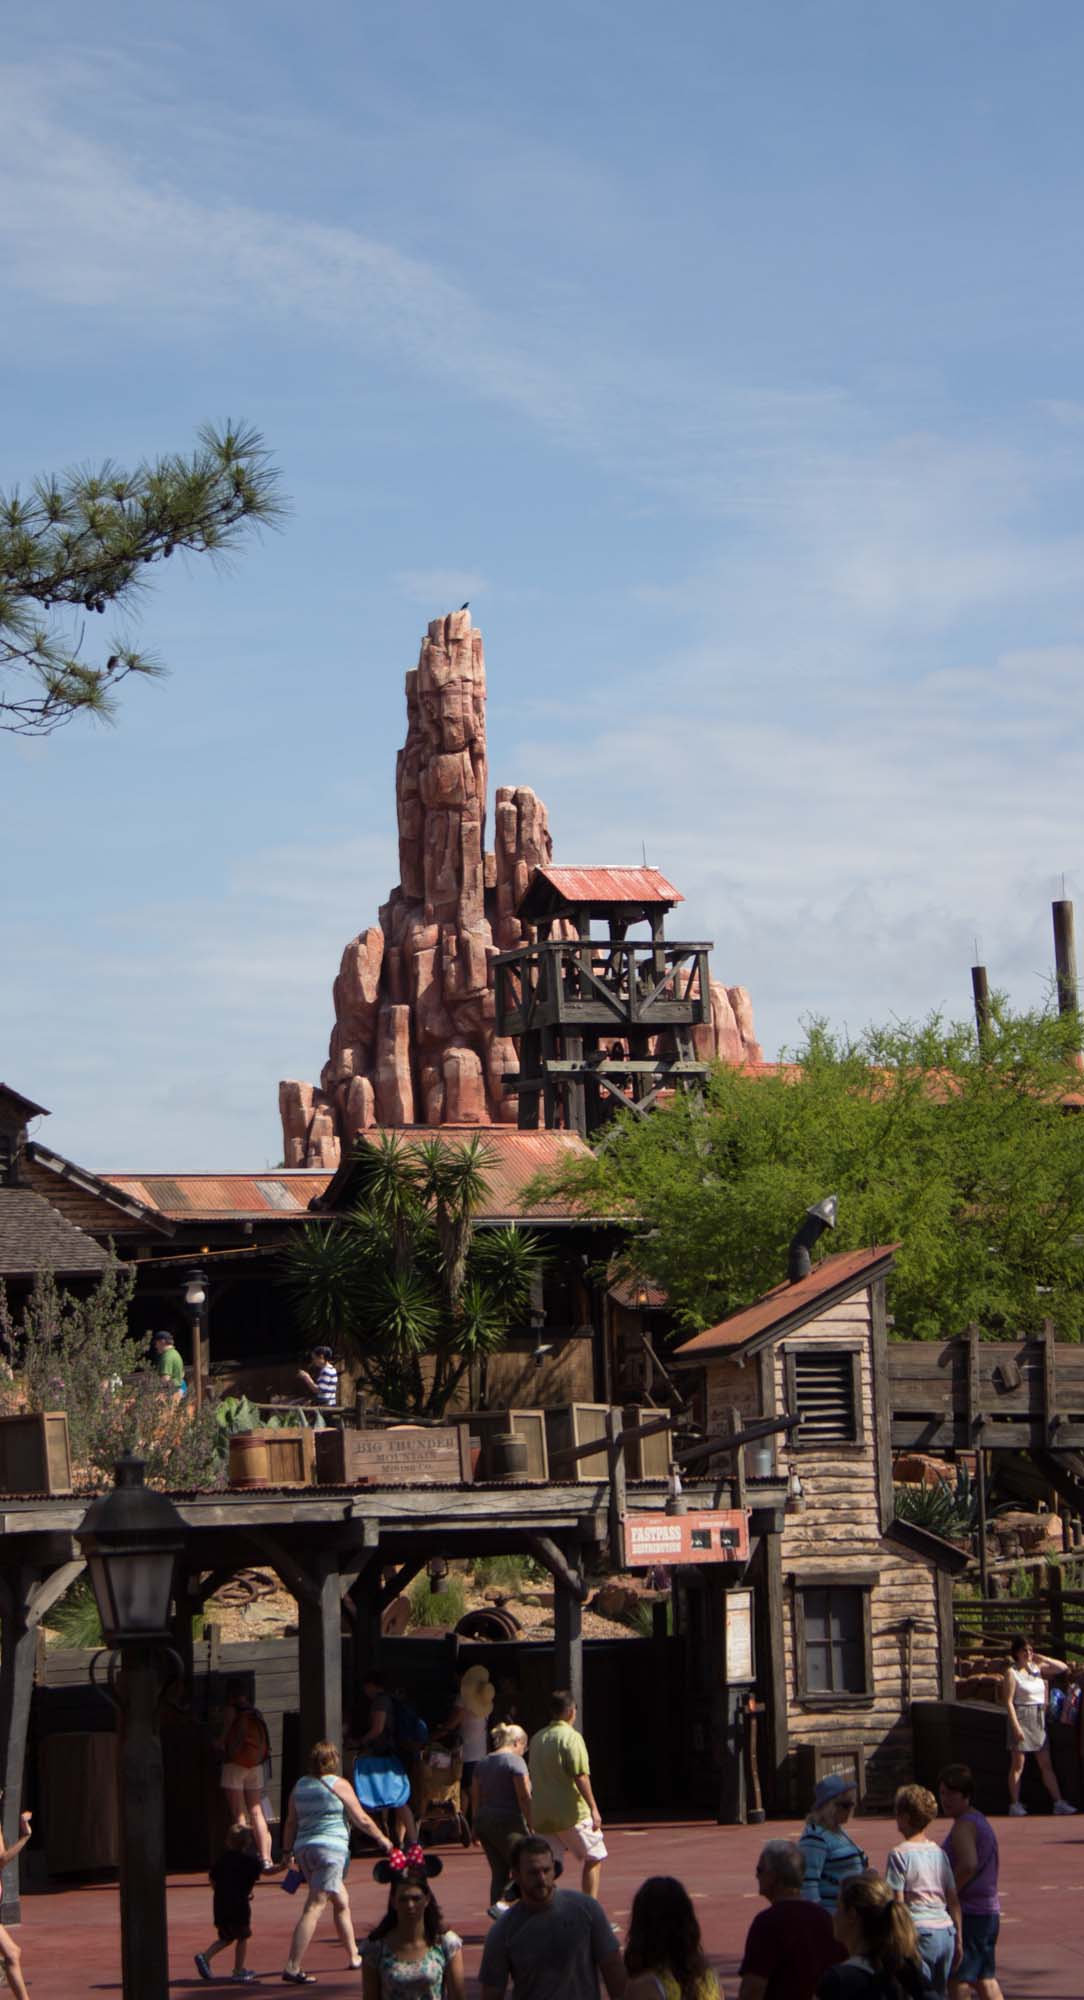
824 1396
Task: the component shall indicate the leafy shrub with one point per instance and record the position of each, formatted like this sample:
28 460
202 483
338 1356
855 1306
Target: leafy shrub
437 1607
77 1355
949 1511
510 1573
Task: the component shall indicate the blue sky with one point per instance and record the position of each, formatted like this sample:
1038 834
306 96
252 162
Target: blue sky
728 359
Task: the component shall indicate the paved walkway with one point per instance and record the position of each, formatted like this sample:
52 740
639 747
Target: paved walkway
70 1944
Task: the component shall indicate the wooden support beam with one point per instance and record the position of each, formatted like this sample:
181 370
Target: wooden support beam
404 1575
739 1457
554 1559
722 1441
320 1678
50 1589
18 1651
296 1580
618 1493
567 1630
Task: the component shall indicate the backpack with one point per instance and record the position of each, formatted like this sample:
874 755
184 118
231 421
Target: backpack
411 1733
248 1743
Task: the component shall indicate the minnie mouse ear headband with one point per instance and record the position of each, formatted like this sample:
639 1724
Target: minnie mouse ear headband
394 1867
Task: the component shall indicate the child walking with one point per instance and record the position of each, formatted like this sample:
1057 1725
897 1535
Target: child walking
235 1875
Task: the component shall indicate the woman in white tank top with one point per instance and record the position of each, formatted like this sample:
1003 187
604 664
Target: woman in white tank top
1025 1694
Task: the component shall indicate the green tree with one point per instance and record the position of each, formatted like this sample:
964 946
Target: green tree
406 1284
969 1157
80 543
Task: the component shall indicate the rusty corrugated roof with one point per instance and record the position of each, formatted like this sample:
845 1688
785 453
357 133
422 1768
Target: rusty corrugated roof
789 1304
513 1159
610 885
224 1197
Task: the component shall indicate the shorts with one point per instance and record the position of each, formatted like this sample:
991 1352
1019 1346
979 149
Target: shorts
936 1949
234 1933
1032 1720
246 1778
980 1944
583 1840
322 1867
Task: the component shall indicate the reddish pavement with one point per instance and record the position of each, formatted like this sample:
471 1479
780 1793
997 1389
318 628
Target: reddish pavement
70 1944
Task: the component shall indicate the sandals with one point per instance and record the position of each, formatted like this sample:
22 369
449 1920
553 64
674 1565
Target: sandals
299 1978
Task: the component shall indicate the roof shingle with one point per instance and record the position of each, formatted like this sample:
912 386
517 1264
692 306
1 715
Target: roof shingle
33 1237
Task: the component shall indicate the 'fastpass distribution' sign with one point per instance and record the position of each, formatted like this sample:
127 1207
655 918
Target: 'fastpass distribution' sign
721 1535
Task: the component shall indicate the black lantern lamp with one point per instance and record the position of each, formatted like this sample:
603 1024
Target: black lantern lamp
131 1539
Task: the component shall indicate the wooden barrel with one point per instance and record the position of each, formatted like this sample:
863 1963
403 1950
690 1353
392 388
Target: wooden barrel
249 1459
507 1456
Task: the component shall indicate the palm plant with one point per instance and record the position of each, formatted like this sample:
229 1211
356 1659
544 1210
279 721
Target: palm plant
405 1280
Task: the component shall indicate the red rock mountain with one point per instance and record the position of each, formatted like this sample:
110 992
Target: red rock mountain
414 1041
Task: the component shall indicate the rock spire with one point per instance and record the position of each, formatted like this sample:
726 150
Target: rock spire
414 1041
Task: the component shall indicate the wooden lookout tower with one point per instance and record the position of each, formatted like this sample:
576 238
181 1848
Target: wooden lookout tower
601 1019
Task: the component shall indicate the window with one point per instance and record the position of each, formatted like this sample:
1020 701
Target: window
823 1390
835 1662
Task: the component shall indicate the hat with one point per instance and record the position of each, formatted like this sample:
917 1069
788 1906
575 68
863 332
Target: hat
832 1787
163 1336
394 1867
476 1692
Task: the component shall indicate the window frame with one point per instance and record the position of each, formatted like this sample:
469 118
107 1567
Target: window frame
862 1582
851 1446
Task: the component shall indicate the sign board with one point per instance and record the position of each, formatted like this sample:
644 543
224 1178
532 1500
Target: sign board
718 1535
738 1611
406 1455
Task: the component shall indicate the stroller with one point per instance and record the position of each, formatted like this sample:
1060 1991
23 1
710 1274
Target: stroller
438 1790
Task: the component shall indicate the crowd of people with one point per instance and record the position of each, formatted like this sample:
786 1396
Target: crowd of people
923 1927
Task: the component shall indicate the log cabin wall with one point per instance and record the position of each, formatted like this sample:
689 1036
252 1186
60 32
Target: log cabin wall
837 1565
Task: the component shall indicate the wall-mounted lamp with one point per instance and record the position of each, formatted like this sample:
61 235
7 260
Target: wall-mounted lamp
436 1569
795 1503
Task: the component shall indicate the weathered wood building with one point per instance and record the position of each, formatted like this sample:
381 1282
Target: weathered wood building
855 1606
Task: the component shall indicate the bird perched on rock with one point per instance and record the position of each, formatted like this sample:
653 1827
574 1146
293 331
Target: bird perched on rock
466 606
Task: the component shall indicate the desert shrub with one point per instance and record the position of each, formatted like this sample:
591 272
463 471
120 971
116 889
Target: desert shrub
437 1607
77 1355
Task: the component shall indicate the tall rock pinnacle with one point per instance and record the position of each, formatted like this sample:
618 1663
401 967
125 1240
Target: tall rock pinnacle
413 1040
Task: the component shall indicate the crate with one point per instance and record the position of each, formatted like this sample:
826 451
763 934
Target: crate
35 1455
273 1458
646 1458
482 1425
414 1454
572 1424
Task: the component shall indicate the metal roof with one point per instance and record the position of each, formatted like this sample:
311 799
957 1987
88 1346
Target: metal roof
789 1305
602 885
226 1197
513 1158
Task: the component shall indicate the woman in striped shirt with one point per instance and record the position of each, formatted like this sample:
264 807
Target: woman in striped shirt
323 1383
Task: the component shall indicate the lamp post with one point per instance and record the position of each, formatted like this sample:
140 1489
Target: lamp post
131 1538
195 1298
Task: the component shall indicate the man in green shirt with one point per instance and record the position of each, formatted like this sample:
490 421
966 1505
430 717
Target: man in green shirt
170 1365
563 1803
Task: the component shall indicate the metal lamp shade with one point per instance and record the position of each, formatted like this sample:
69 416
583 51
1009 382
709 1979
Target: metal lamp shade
131 1539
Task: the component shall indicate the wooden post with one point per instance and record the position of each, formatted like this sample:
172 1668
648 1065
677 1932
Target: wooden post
618 1491
980 987
185 1607
18 1642
1054 1584
1065 957
568 1643
984 1558
320 1679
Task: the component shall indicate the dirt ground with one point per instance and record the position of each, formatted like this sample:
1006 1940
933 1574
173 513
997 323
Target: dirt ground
255 1606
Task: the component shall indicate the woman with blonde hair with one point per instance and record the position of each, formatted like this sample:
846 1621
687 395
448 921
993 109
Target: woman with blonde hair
883 1960
500 1805
316 1836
